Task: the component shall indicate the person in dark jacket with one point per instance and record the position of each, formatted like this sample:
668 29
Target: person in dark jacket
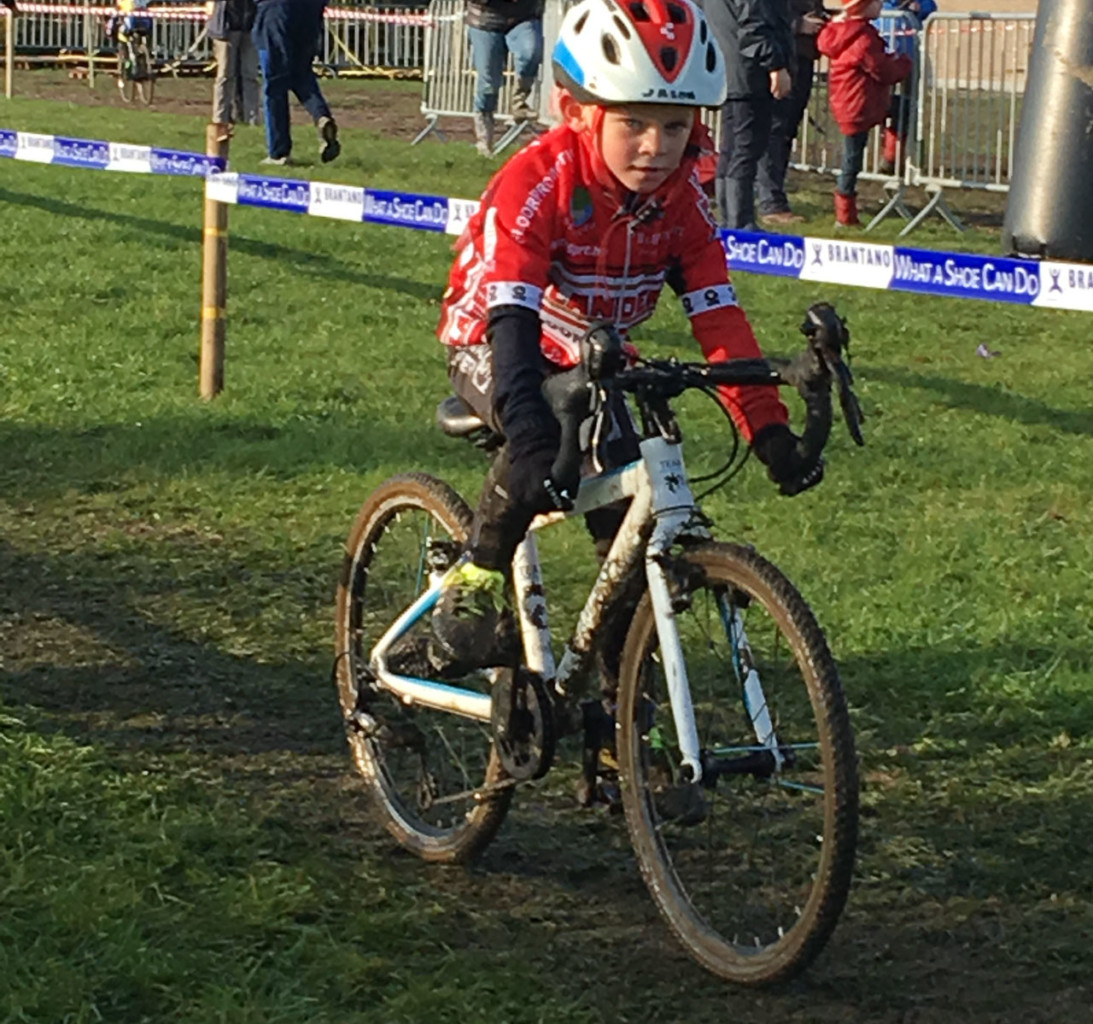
229 27
757 42
807 17
286 34
860 84
496 27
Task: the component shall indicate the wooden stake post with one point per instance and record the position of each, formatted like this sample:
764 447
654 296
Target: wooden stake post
214 275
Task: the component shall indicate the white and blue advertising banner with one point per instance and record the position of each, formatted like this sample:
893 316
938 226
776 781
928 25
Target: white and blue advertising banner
845 261
1065 286
105 156
343 202
902 268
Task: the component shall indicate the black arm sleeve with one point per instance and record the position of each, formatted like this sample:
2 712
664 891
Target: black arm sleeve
518 377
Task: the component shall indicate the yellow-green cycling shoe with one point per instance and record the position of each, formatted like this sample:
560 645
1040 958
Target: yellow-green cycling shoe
472 623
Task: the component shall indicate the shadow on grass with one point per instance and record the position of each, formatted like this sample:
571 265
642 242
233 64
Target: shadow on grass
559 890
1001 693
88 657
41 461
303 261
982 398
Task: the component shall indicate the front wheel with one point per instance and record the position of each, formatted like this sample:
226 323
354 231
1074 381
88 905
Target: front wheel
752 867
436 778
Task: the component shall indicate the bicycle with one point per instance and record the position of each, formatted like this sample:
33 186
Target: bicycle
733 742
136 69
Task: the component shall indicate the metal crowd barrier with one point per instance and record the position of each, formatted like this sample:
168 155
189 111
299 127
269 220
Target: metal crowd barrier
964 100
449 73
974 73
357 40
968 80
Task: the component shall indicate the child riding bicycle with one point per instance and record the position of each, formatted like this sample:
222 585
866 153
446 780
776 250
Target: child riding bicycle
583 227
130 19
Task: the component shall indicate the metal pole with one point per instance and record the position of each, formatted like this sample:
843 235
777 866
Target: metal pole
9 50
214 275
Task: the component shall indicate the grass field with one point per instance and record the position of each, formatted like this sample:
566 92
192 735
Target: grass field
182 838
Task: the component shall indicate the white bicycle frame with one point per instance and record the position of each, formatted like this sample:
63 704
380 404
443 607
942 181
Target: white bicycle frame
657 484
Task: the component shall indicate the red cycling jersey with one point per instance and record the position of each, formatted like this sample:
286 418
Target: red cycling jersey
558 234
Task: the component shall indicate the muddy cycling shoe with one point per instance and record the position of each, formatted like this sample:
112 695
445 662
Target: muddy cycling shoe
675 801
329 146
409 656
472 625
682 803
599 779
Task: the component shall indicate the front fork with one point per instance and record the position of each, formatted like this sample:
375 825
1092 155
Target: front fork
674 511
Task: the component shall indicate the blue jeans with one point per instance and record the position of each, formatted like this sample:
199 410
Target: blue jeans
285 34
853 154
488 52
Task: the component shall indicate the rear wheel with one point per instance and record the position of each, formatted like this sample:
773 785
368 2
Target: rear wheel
435 777
752 868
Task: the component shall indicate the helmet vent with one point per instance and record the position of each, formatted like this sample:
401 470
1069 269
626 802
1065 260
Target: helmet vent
711 57
580 23
703 32
610 50
621 26
668 57
638 11
677 14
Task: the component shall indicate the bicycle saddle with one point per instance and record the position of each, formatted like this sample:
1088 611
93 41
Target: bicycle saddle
456 418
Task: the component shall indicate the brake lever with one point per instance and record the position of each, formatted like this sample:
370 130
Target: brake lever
828 337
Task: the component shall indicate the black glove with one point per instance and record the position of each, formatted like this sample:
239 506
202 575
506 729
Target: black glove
776 447
530 481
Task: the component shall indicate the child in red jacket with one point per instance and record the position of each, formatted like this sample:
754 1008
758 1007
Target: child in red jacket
586 224
859 89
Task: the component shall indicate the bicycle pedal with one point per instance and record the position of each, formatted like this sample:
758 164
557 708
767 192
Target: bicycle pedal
601 791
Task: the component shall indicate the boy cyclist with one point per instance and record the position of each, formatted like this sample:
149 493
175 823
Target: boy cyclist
129 18
585 225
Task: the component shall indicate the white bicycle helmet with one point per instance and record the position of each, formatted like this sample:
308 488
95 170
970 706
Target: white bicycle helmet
640 51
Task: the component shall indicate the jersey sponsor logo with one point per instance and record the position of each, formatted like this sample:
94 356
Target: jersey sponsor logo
513 293
580 206
537 196
704 299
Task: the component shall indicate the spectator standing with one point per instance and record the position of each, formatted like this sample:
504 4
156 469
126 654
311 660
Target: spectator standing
757 42
860 82
900 32
229 27
807 17
286 35
495 28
